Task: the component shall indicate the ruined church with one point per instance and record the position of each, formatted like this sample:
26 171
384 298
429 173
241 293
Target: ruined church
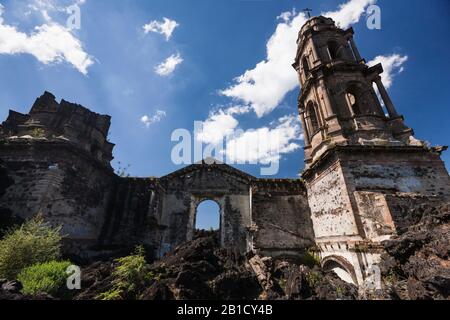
364 169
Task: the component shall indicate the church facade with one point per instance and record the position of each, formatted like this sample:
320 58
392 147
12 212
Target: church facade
364 170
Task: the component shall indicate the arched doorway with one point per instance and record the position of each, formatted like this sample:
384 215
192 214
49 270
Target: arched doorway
208 216
341 267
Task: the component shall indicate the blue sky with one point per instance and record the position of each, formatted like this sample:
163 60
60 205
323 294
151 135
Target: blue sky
108 65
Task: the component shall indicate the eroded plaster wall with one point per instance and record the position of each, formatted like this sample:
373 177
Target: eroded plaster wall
408 170
331 211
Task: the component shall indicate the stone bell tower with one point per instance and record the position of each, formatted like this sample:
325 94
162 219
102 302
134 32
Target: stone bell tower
363 165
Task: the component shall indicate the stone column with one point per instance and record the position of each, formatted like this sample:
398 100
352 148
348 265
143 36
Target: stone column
386 99
355 49
305 129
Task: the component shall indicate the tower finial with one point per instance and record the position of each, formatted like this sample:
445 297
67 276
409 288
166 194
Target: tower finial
308 12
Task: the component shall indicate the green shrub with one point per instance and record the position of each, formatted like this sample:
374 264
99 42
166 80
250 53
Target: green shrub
310 259
48 277
38 133
313 278
130 275
33 242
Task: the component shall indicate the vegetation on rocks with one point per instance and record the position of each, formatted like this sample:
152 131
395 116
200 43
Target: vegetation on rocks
49 277
130 274
31 243
414 266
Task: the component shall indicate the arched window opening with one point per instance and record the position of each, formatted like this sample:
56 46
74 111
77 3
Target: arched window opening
305 64
353 96
335 51
312 118
353 104
208 216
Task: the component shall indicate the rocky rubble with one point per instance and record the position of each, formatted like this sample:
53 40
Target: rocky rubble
10 290
415 266
201 270
416 263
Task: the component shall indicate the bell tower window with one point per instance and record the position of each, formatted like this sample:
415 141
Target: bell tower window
333 50
339 51
312 118
353 104
305 65
353 97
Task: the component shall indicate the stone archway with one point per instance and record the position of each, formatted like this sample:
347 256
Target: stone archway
341 267
208 216
186 189
196 201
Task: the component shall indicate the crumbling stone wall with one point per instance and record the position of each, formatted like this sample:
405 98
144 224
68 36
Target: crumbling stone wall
60 183
329 203
281 217
57 161
133 214
187 188
57 158
389 169
359 197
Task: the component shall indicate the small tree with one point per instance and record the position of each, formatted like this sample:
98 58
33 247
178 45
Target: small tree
34 242
130 275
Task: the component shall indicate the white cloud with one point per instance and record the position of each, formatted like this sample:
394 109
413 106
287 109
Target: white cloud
49 43
169 65
47 8
266 144
220 124
392 65
157 117
265 86
349 12
165 27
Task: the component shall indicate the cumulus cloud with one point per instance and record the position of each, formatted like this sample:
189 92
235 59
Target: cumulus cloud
392 65
157 117
266 85
220 124
266 144
169 65
48 43
165 27
349 13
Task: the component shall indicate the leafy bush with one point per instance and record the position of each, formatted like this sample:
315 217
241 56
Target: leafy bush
313 278
38 133
49 277
33 242
310 258
130 275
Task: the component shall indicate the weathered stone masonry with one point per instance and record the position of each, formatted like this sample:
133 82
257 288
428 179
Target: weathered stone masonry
364 168
50 167
364 171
